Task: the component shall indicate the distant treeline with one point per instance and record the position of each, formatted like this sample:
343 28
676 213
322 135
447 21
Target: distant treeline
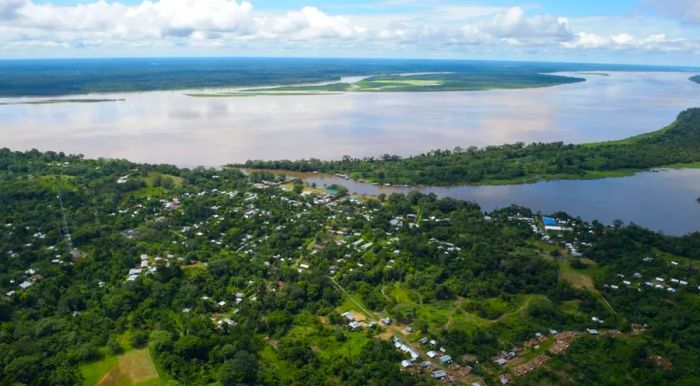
51 77
519 162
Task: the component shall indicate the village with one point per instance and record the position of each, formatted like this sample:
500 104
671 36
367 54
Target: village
353 237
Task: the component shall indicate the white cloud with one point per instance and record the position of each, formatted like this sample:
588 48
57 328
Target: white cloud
626 41
192 24
8 8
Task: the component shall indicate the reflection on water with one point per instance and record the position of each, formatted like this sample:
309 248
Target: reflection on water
171 127
663 201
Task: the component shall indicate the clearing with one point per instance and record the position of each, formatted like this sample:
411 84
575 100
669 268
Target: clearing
131 368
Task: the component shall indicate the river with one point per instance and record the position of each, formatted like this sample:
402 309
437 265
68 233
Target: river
171 127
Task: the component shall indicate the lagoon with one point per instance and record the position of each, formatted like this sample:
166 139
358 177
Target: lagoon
663 200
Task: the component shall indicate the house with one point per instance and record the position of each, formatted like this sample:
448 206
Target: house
386 321
347 315
439 374
505 379
406 364
500 361
25 284
432 354
592 331
549 221
425 364
354 325
445 360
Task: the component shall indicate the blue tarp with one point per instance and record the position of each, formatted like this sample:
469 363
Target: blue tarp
549 221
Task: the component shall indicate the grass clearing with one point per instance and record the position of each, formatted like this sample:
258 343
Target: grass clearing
578 279
131 368
408 82
94 372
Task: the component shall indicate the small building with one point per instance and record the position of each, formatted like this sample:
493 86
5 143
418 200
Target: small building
445 360
549 221
354 325
432 354
425 364
406 363
26 284
439 374
386 321
592 331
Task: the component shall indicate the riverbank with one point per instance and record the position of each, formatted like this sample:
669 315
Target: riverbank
674 146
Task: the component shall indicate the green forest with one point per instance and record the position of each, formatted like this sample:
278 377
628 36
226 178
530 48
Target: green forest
117 273
679 143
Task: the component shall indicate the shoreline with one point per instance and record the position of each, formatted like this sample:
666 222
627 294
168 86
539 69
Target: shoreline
620 173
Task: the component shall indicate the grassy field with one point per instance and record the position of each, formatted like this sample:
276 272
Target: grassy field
134 367
386 83
577 278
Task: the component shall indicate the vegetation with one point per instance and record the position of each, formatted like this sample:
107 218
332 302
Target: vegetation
452 81
49 77
203 276
678 143
55 101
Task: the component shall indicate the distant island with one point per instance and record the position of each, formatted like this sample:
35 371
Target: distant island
458 81
55 101
677 145
695 78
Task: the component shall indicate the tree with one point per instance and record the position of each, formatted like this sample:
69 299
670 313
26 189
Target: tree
241 370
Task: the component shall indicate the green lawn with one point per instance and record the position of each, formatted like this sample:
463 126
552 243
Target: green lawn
93 372
134 367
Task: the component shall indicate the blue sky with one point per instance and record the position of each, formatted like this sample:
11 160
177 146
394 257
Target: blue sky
617 31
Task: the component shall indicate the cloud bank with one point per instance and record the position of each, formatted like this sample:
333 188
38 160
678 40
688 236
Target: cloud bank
232 24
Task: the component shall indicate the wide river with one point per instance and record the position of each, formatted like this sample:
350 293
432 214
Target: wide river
171 127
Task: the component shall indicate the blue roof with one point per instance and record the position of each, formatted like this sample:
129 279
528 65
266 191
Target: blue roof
549 221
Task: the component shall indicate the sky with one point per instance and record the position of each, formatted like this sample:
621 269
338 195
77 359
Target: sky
664 32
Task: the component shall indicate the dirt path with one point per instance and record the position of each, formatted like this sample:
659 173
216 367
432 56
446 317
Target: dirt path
520 309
